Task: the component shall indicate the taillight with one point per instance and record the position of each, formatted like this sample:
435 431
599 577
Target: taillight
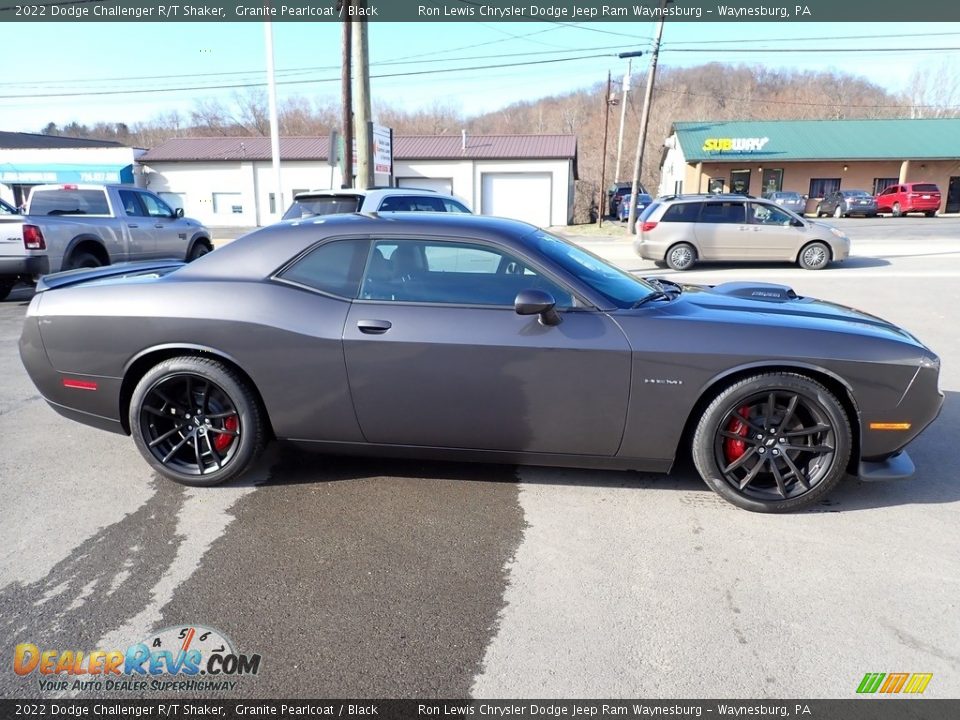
69 187
647 226
33 238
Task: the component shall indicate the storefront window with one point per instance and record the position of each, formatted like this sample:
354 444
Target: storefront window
821 187
881 184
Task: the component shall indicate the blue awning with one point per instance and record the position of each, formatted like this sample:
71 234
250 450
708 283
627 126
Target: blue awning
37 173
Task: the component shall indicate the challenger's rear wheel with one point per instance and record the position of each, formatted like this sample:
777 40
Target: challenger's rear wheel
773 443
196 421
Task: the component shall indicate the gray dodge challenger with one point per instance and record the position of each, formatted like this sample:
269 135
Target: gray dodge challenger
476 338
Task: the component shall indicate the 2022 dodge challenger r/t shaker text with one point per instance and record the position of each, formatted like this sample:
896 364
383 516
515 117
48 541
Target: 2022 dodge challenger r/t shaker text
473 338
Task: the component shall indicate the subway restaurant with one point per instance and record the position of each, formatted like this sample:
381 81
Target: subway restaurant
812 157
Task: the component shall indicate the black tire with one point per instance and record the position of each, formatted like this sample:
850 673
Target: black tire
5 288
171 422
796 443
838 212
814 256
680 257
199 249
82 260
819 210
931 213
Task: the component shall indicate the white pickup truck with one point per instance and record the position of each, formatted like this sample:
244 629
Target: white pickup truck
23 254
93 225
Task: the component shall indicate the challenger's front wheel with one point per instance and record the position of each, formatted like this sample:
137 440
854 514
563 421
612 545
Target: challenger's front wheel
773 443
196 421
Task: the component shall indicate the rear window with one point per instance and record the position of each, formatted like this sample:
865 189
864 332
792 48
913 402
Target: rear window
925 187
649 210
69 202
327 205
682 212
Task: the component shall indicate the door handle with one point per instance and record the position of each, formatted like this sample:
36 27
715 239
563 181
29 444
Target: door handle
159 226
374 327
132 225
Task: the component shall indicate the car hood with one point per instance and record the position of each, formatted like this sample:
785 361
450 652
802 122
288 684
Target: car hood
770 304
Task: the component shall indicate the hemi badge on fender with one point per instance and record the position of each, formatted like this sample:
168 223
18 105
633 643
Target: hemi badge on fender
889 426
79 384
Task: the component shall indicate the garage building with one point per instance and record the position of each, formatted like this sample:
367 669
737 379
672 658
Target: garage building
229 181
813 157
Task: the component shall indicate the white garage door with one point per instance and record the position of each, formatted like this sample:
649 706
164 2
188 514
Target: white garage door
523 196
441 185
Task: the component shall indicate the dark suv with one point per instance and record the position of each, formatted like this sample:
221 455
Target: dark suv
616 194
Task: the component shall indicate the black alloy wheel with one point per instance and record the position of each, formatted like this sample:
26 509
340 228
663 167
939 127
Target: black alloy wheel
195 421
773 443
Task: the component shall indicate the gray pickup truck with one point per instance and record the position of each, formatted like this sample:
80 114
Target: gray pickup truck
93 225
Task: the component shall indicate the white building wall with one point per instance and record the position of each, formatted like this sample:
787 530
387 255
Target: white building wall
237 194
674 168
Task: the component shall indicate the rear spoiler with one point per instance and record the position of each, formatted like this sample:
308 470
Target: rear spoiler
82 275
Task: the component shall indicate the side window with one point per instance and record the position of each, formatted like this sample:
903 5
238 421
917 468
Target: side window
155 206
427 204
768 215
681 212
335 267
729 213
456 273
454 206
397 203
131 203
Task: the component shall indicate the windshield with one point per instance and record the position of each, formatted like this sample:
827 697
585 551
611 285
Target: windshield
323 205
619 287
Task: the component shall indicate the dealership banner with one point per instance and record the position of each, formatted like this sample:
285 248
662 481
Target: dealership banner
475 11
178 708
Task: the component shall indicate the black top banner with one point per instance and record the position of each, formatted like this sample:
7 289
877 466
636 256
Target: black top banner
478 11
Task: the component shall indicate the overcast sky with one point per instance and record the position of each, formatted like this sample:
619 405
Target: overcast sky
90 72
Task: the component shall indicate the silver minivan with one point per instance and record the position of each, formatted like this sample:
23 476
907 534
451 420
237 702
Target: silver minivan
680 230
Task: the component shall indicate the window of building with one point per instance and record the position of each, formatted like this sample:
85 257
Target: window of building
881 184
821 187
334 267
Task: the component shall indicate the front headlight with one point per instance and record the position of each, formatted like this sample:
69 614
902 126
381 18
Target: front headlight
927 361
839 233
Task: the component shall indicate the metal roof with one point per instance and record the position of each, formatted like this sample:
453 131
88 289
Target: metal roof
406 147
785 140
32 141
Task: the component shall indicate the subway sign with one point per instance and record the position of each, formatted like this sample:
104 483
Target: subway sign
734 144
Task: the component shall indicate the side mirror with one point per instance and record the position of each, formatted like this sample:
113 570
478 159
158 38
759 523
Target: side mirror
178 213
537 302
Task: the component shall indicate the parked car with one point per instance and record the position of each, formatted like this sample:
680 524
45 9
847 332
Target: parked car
680 230
909 197
848 202
476 338
330 202
23 253
617 192
793 201
92 225
623 209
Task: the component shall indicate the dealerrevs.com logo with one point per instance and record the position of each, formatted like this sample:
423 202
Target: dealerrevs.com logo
894 683
185 658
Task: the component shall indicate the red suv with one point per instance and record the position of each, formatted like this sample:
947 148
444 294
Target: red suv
908 198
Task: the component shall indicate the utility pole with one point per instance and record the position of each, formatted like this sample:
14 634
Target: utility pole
278 207
623 110
602 209
361 56
346 97
645 120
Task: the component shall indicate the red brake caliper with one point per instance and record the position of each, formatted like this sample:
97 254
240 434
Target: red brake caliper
222 442
734 449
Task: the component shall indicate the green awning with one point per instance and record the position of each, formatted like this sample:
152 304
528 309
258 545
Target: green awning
38 173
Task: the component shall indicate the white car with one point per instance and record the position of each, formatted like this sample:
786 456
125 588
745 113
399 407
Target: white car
330 202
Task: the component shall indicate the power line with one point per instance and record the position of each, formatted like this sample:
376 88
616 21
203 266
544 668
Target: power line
817 50
300 82
809 39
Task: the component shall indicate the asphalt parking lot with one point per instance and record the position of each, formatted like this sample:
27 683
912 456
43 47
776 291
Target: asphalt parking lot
407 579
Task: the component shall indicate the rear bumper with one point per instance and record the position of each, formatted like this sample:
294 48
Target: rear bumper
26 265
895 467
